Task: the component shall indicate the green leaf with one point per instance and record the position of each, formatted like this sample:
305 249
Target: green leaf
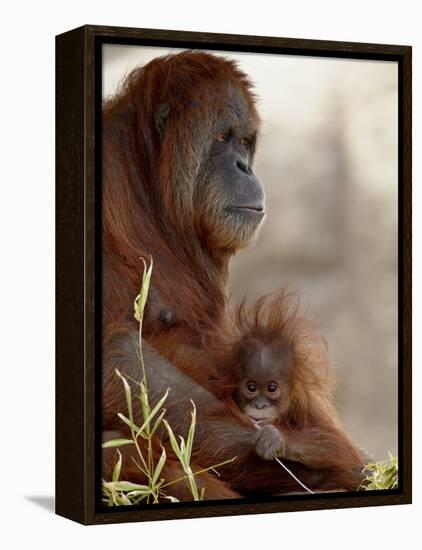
182 447
189 441
126 486
159 467
192 482
158 422
171 499
138 493
141 298
146 410
126 420
117 468
173 442
153 412
117 443
141 497
124 500
128 394
381 475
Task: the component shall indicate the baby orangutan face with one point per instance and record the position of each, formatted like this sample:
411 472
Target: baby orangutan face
263 390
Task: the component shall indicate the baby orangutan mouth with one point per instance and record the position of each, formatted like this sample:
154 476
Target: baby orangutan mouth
261 416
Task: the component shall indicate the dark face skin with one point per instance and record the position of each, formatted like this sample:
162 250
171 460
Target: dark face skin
228 186
262 392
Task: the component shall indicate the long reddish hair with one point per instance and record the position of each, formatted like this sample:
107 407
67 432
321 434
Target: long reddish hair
278 320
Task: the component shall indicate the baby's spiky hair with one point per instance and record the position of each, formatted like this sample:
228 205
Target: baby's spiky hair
277 320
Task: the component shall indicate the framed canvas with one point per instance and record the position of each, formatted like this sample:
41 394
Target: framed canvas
233 279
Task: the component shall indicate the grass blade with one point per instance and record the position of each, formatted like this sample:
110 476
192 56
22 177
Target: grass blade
141 298
172 499
158 422
128 395
124 500
153 412
117 468
126 486
146 410
173 442
189 440
159 467
126 420
117 443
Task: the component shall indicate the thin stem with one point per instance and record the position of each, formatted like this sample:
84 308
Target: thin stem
293 476
144 471
199 472
141 355
192 483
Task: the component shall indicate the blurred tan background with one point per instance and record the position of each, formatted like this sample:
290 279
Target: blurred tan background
328 161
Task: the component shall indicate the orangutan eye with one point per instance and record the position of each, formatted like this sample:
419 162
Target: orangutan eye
251 387
272 387
224 137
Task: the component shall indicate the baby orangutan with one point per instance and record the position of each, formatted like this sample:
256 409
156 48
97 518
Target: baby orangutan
277 375
263 388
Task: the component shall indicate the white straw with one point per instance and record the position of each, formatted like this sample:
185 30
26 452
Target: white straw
293 476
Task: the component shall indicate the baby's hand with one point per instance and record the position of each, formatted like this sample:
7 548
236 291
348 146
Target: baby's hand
269 442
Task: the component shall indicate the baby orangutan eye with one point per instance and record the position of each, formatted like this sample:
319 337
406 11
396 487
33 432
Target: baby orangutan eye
272 387
251 387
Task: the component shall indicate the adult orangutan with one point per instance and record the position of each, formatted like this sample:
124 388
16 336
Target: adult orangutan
178 146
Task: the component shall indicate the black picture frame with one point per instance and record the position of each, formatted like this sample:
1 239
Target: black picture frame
78 271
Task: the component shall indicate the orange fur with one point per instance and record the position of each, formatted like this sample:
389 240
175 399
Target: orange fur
308 421
147 211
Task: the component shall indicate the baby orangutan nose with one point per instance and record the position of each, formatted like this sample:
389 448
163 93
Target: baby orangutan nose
261 404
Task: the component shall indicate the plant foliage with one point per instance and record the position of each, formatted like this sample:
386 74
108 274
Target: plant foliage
155 488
